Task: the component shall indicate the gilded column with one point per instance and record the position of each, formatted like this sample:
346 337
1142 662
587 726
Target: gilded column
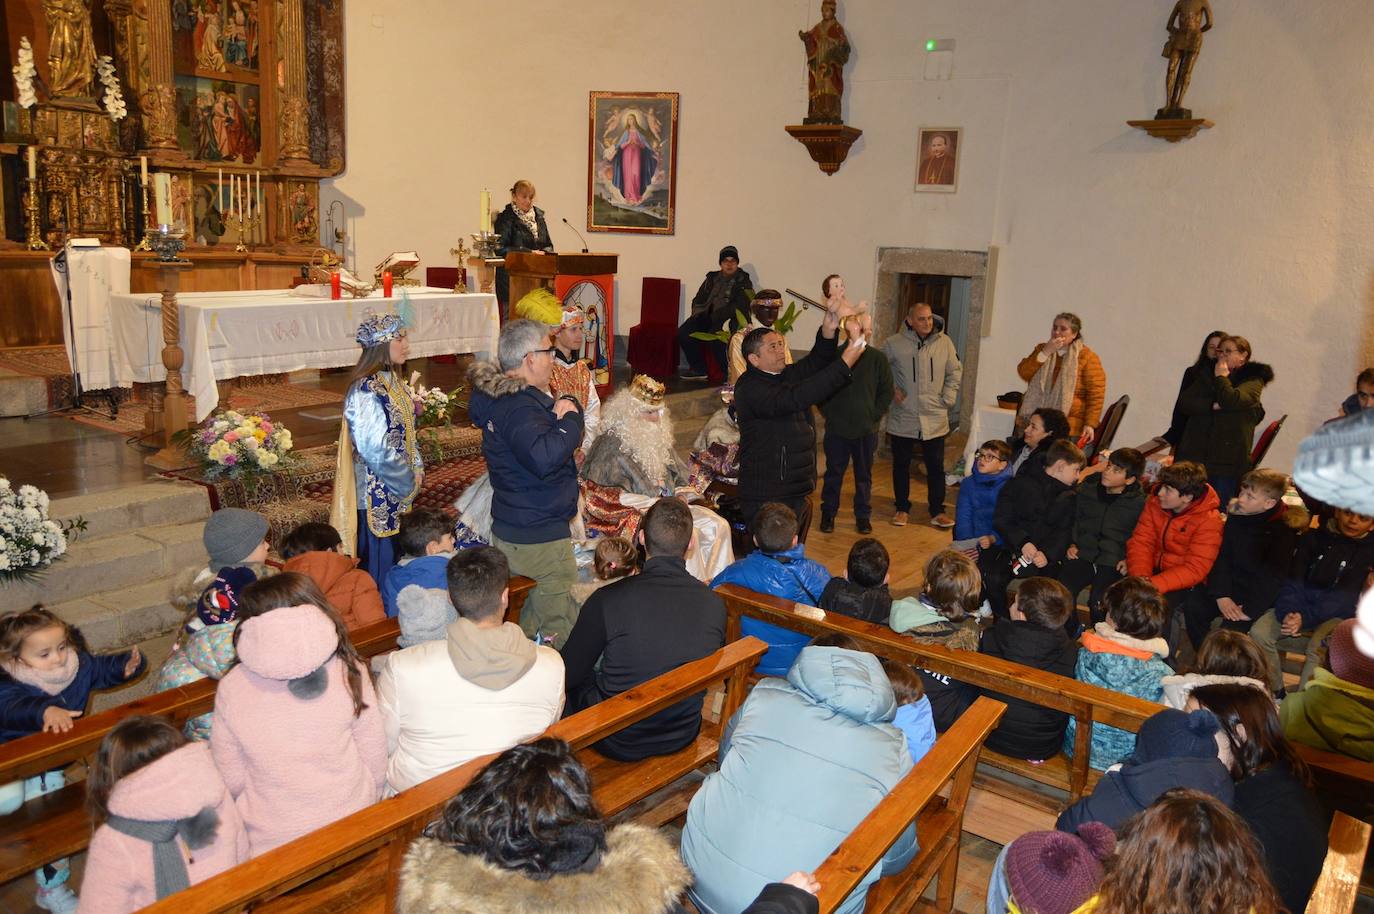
158 98
294 116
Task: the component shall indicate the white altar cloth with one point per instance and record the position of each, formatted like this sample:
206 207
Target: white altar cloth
94 275
233 334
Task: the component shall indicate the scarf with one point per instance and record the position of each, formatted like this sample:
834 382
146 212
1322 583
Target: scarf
531 221
169 866
1051 388
51 682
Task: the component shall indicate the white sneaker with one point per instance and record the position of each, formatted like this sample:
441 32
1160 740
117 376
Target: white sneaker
59 899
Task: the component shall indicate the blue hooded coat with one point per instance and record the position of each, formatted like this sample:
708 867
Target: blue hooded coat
790 575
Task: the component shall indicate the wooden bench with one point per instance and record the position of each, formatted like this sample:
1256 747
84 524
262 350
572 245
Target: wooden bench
56 824
1339 882
1069 778
355 863
939 825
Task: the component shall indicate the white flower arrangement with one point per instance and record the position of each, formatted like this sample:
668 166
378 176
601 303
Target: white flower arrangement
433 407
24 74
234 445
29 540
114 97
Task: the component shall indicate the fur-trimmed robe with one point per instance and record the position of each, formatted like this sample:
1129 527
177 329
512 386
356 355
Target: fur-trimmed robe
640 873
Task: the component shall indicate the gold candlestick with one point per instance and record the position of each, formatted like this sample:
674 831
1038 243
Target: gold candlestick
148 226
35 233
460 253
243 227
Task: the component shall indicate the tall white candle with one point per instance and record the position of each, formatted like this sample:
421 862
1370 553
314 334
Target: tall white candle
485 224
33 163
259 194
233 192
143 170
219 190
162 186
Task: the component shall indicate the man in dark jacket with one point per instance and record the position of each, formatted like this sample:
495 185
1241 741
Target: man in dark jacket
773 400
528 440
722 293
641 627
1034 636
852 416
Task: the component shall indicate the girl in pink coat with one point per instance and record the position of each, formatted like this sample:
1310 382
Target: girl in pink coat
297 736
164 818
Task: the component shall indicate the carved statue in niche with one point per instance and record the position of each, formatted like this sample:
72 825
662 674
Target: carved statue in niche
827 51
302 215
1187 22
71 49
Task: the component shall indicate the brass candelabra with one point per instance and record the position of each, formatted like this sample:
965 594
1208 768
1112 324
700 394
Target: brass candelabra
244 227
35 232
148 225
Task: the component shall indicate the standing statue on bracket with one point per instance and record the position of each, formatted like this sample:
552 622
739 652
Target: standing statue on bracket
827 51
71 49
1187 22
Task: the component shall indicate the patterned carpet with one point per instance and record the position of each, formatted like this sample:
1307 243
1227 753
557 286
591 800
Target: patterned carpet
268 398
453 459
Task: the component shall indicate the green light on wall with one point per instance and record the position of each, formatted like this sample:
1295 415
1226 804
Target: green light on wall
930 45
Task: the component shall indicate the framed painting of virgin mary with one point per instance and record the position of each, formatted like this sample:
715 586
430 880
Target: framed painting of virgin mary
632 162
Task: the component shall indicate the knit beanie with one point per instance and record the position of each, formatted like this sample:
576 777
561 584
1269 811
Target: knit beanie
1176 734
231 535
728 251
1345 658
1053 872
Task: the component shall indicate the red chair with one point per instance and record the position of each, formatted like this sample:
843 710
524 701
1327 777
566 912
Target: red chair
653 341
1265 439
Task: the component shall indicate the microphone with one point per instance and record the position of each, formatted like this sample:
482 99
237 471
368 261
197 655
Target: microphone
578 234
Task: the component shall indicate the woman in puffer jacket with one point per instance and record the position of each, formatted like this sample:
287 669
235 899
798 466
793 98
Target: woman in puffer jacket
801 764
297 736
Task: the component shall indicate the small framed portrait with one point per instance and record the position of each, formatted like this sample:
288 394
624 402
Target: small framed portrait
937 159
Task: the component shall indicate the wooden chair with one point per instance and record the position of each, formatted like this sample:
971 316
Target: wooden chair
1339 883
354 864
57 824
1067 778
939 825
1265 439
1106 431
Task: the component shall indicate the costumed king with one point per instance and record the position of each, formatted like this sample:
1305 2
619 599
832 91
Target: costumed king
380 470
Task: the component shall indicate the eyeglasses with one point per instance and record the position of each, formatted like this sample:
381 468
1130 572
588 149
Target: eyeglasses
988 455
551 350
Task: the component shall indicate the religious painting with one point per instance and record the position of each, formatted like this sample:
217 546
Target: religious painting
218 121
632 162
215 36
937 160
594 296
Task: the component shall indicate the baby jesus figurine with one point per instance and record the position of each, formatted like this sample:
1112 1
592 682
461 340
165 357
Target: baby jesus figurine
836 301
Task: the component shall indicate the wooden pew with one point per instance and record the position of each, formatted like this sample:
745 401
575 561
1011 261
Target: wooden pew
354 864
1337 776
56 824
939 824
1339 882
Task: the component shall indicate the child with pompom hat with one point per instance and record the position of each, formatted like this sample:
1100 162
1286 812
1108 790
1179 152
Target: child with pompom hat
1050 872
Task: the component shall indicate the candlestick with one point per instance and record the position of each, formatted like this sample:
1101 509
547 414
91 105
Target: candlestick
386 283
148 227
335 286
33 163
35 235
143 170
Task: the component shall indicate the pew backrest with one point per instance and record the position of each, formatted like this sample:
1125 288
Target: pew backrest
1339 882
374 840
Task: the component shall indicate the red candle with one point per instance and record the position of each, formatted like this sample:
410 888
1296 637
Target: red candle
386 283
334 287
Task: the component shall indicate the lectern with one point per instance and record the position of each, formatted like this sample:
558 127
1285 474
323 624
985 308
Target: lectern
586 281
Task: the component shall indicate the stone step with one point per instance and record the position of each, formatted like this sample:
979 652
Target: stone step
133 507
118 619
22 395
110 563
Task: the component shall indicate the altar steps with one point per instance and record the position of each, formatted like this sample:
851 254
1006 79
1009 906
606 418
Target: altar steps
21 394
117 579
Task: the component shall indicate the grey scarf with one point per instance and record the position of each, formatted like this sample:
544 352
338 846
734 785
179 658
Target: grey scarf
169 867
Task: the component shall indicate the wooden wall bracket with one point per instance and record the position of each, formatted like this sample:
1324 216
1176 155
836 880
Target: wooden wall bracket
1172 130
828 143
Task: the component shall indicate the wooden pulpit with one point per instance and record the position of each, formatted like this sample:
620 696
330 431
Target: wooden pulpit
530 269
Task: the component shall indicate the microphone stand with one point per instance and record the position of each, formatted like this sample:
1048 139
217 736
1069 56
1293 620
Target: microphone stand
578 234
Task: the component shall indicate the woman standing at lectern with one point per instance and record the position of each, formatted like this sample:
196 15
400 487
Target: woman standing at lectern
519 227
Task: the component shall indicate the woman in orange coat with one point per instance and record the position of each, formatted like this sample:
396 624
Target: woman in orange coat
1063 373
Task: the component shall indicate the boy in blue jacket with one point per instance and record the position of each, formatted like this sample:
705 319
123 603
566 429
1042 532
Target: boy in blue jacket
424 544
978 494
780 568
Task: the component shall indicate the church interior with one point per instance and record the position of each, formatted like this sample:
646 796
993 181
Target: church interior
210 205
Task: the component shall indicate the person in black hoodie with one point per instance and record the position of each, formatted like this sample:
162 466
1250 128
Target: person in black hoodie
1173 749
1034 518
641 627
1273 789
862 593
773 400
1104 516
1034 636
1256 549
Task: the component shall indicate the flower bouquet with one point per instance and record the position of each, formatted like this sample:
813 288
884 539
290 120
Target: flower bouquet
236 445
29 540
433 407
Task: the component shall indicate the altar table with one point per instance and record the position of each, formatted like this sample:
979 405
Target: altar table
232 334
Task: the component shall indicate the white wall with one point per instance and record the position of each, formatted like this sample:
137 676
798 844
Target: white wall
1258 226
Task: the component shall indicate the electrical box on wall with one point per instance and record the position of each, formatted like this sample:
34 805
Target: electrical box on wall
939 58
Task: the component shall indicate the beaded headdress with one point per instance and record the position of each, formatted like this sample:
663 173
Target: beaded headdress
378 329
647 391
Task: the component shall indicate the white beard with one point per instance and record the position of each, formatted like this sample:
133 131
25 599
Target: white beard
647 443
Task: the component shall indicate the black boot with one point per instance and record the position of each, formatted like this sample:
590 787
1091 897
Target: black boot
827 523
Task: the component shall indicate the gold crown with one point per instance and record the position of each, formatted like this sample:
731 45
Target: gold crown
646 390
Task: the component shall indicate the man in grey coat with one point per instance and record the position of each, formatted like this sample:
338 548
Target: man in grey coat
925 375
